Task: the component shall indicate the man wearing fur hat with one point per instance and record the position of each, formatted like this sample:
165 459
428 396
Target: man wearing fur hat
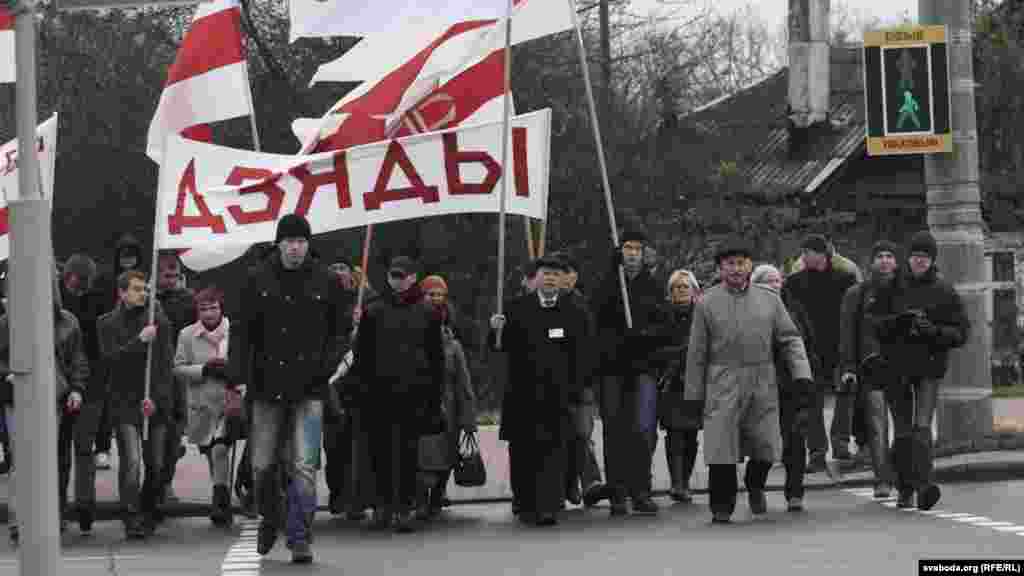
544 334
731 378
284 355
861 371
918 325
629 387
819 287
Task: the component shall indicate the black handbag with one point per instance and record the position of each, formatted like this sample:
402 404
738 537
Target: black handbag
469 468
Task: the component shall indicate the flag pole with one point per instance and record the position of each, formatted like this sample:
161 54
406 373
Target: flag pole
365 276
600 156
151 312
252 112
506 174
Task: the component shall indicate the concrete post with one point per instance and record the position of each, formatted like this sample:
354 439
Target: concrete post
964 412
31 326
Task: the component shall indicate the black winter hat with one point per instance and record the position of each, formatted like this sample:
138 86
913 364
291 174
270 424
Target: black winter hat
884 246
293 226
633 233
816 243
405 264
553 261
923 242
735 246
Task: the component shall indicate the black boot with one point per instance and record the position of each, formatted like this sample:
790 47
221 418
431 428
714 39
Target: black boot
928 494
269 501
86 516
220 514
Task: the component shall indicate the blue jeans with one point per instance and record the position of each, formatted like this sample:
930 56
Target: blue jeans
289 434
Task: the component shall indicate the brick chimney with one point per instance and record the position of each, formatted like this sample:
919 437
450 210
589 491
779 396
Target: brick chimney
809 70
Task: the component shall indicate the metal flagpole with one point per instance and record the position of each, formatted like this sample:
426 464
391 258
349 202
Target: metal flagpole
151 314
506 174
31 316
600 156
252 113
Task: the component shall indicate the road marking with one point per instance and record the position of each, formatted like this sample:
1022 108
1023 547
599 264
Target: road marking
961 517
10 561
242 558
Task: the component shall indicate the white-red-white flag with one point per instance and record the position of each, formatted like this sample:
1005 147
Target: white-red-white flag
325 18
6 47
453 78
209 80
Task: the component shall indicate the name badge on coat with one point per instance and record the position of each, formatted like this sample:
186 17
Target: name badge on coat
556 333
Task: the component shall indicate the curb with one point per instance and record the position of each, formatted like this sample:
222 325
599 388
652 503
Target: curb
978 472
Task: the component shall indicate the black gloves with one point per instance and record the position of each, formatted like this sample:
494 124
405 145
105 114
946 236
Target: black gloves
694 411
216 369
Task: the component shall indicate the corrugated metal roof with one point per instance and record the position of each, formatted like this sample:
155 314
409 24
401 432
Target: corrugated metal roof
753 121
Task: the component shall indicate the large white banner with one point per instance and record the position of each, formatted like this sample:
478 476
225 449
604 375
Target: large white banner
322 18
212 197
46 145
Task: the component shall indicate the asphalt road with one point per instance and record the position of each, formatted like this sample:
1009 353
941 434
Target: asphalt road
842 532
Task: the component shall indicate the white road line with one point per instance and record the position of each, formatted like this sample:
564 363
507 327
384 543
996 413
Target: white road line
972 519
242 558
992 524
1014 528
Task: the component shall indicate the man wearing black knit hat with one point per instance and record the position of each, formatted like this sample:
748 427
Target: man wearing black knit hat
861 365
629 387
285 354
917 327
819 288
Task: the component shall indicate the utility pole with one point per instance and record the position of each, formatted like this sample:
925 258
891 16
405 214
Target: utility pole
606 61
964 411
31 326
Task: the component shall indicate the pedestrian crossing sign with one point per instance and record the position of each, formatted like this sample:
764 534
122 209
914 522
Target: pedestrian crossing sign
906 85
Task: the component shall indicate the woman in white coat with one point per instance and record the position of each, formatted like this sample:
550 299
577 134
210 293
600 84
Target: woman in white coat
200 362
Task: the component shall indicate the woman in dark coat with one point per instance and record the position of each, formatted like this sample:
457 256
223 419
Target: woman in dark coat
794 433
680 430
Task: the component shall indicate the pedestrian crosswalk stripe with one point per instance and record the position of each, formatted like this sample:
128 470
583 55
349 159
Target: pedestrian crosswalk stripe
993 524
963 518
972 519
1014 528
951 515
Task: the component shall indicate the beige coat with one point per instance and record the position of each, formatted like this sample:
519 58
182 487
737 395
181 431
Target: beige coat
730 366
205 396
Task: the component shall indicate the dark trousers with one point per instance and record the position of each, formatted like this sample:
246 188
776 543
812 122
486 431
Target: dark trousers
133 455
842 427
539 474
794 448
912 402
680 455
394 450
338 453
172 451
723 487
105 428
817 435
629 428
75 436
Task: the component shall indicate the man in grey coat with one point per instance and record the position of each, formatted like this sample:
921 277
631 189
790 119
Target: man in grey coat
737 330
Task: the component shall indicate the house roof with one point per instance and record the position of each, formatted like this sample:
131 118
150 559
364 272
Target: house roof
754 121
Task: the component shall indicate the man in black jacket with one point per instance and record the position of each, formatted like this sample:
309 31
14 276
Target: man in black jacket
629 386
922 320
399 360
285 354
820 288
544 334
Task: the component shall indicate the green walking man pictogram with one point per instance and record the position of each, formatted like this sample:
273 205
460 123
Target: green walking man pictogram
908 110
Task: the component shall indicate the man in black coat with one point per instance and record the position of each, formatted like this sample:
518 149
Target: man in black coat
284 355
399 360
819 288
544 335
629 386
918 324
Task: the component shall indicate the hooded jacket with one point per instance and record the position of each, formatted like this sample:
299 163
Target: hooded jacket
72 365
108 285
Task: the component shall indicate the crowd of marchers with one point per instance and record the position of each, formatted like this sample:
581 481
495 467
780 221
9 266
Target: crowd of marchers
381 386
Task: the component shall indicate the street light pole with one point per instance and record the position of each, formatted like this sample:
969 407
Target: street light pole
31 325
964 411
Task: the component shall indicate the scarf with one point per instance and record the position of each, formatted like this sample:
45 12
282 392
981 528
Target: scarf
218 337
411 296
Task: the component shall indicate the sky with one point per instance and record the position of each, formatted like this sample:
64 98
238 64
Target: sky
773 12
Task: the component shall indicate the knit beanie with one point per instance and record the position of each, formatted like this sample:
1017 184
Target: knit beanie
816 243
633 233
884 246
293 226
923 242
